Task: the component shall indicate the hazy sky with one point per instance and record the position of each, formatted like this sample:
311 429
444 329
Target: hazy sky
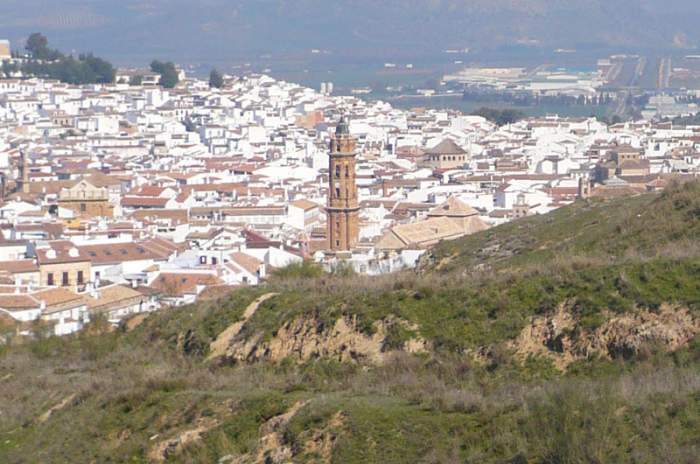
188 30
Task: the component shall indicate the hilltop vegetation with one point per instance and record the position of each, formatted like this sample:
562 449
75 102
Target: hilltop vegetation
52 64
565 338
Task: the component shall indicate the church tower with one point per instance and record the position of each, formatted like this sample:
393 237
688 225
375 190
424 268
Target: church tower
343 208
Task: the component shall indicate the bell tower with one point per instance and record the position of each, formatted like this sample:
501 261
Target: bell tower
343 207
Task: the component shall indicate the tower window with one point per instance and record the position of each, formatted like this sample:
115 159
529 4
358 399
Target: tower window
347 171
337 192
337 171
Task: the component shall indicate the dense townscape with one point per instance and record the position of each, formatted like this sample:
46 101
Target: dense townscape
355 232
123 198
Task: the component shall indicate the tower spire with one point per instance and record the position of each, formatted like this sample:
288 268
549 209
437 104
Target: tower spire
343 208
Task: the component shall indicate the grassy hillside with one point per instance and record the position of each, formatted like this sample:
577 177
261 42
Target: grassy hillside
565 338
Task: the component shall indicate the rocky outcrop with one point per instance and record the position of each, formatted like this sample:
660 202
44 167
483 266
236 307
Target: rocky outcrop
271 448
309 338
218 347
318 448
559 336
174 446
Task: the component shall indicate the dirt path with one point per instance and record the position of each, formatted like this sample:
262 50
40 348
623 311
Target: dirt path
47 415
219 346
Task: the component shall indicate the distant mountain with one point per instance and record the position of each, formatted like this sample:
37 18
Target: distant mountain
134 30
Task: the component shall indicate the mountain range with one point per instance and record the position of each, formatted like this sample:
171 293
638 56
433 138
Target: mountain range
187 31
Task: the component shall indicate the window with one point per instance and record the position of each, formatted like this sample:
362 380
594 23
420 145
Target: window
49 279
64 279
202 260
337 171
214 261
83 208
97 276
80 278
347 171
337 192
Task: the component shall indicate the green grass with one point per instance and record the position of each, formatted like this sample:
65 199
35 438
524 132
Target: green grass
474 295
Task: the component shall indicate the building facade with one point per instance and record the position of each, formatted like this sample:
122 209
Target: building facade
86 200
343 209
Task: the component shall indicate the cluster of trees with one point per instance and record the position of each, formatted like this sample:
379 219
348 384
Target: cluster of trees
52 64
500 117
169 76
44 61
86 69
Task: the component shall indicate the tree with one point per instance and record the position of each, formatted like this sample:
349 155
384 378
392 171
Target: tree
37 45
168 74
216 79
9 68
136 80
103 71
500 117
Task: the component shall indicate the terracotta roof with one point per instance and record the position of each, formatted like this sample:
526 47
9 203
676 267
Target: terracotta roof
120 252
18 302
304 204
138 202
111 297
453 207
19 266
446 147
247 262
60 251
179 284
59 296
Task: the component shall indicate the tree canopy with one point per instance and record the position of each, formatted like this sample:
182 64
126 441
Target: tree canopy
38 47
216 79
500 117
168 73
52 64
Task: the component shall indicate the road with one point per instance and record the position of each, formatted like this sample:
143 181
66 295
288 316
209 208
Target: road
664 78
